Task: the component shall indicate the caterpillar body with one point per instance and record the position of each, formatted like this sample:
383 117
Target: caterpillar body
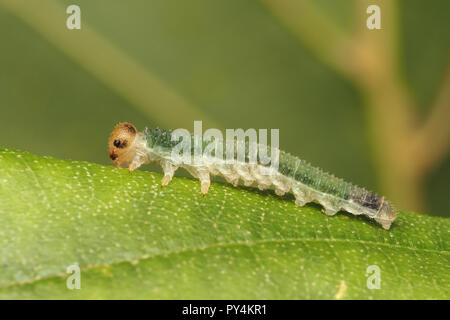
130 148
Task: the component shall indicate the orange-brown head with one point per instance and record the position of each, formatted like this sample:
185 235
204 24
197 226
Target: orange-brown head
121 145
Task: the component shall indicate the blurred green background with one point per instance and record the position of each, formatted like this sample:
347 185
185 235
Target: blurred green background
232 64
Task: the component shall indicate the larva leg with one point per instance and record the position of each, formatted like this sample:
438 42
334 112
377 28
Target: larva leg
205 181
329 211
263 187
133 166
169 170
137 162
205 186
234 180
301 198
203 176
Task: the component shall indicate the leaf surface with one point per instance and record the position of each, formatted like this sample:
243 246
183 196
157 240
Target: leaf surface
133 239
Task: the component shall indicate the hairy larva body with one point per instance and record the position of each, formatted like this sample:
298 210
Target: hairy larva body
129 148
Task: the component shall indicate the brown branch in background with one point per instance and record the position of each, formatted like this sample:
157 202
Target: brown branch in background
371 59
432 141
391 118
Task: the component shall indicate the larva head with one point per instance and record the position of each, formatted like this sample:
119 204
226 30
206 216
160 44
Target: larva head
121 146
386 215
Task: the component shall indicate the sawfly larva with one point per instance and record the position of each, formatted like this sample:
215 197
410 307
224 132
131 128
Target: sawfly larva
130 148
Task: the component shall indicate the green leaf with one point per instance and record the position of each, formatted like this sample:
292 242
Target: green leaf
133 239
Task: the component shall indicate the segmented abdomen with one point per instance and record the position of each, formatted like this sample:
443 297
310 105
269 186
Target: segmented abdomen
307 183
303 172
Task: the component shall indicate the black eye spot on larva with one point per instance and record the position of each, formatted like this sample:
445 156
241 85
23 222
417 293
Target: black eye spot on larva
130 127
118 144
